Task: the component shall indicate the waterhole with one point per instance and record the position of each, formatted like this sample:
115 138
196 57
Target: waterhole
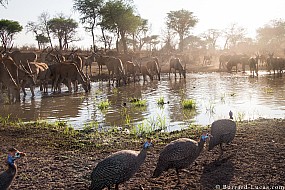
214 94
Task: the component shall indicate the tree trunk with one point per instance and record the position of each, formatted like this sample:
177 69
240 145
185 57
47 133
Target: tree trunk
117 41
181 43
134 43
93 36
226 43
104 38
124 42
60 43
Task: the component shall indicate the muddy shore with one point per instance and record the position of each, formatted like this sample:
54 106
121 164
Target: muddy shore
60 158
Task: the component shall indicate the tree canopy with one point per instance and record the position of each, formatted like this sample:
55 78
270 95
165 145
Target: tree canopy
119 17
181 22
63 29
90 14
272 35
8 29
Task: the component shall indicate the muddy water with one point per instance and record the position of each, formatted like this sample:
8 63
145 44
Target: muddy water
215 95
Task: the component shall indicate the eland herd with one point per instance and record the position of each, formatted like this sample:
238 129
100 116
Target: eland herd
51 68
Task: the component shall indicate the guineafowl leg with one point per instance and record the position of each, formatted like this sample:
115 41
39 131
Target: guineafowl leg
222 150
117 187
221 147
177 173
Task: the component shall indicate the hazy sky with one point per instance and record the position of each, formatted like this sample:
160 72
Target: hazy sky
212 14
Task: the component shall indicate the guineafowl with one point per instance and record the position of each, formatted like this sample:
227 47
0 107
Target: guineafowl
222 131
118 167
179 154
7 176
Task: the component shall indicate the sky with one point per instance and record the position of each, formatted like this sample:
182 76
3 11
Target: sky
212 14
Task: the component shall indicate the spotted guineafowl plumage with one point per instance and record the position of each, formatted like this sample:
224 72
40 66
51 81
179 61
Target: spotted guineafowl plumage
118 168
179 154
7 177
222 131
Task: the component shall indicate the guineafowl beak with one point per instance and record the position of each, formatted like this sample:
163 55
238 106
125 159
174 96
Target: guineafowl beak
22 154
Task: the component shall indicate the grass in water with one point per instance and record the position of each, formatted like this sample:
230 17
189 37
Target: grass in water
103 105
188 104
138 102
160 101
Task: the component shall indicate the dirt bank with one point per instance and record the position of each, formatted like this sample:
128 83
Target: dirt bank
60 158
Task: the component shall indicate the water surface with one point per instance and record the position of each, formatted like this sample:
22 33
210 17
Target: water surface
215 95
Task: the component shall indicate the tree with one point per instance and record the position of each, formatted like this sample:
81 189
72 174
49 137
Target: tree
140 34
8 29
40 30
118 17
3 2
233 35
194 42
210 37
63 29
90 12
152 41
43 22
168 41
181 22
42 40
272 35
33 27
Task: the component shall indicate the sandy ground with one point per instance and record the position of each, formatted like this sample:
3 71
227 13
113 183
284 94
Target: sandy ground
57 160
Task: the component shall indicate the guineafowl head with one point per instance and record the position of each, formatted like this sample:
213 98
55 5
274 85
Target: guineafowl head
147 144
14 154
204 137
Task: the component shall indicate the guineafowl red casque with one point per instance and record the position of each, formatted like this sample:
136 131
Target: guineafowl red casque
7 177
179 154
118 168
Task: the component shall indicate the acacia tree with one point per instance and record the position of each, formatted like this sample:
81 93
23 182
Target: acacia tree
233 35
167 39
140 35
90 15
181 22
42 40
43 24
210 37
40 37
272 35
8 29
41 30
64 30
118 17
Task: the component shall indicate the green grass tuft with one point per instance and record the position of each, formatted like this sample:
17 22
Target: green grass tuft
160 101
103 104
138 102
188 104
